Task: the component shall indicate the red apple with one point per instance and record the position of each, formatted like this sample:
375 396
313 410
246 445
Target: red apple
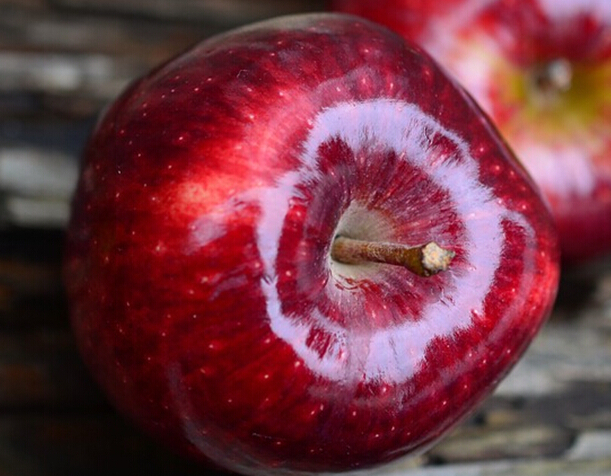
221 257
542 70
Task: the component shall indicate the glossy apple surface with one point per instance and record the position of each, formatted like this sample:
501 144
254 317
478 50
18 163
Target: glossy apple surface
542 70
203 294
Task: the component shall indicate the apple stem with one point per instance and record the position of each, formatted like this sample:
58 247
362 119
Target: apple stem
552 78
425 260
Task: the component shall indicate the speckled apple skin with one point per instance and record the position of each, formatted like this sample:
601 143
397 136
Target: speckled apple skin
197 264
491 46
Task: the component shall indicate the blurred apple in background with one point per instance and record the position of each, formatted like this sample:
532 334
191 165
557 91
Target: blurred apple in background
542 70
254 239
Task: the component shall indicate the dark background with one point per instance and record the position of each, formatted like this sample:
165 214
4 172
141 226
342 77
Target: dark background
61 62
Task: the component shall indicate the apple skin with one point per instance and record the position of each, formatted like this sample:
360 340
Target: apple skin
197 266
496 50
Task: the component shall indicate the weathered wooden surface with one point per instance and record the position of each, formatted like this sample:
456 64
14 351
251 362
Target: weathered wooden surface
61 61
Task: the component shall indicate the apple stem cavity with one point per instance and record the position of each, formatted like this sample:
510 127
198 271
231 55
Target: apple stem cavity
425 260
551 79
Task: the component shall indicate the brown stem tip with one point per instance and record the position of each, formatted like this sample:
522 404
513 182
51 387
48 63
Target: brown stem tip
425 260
